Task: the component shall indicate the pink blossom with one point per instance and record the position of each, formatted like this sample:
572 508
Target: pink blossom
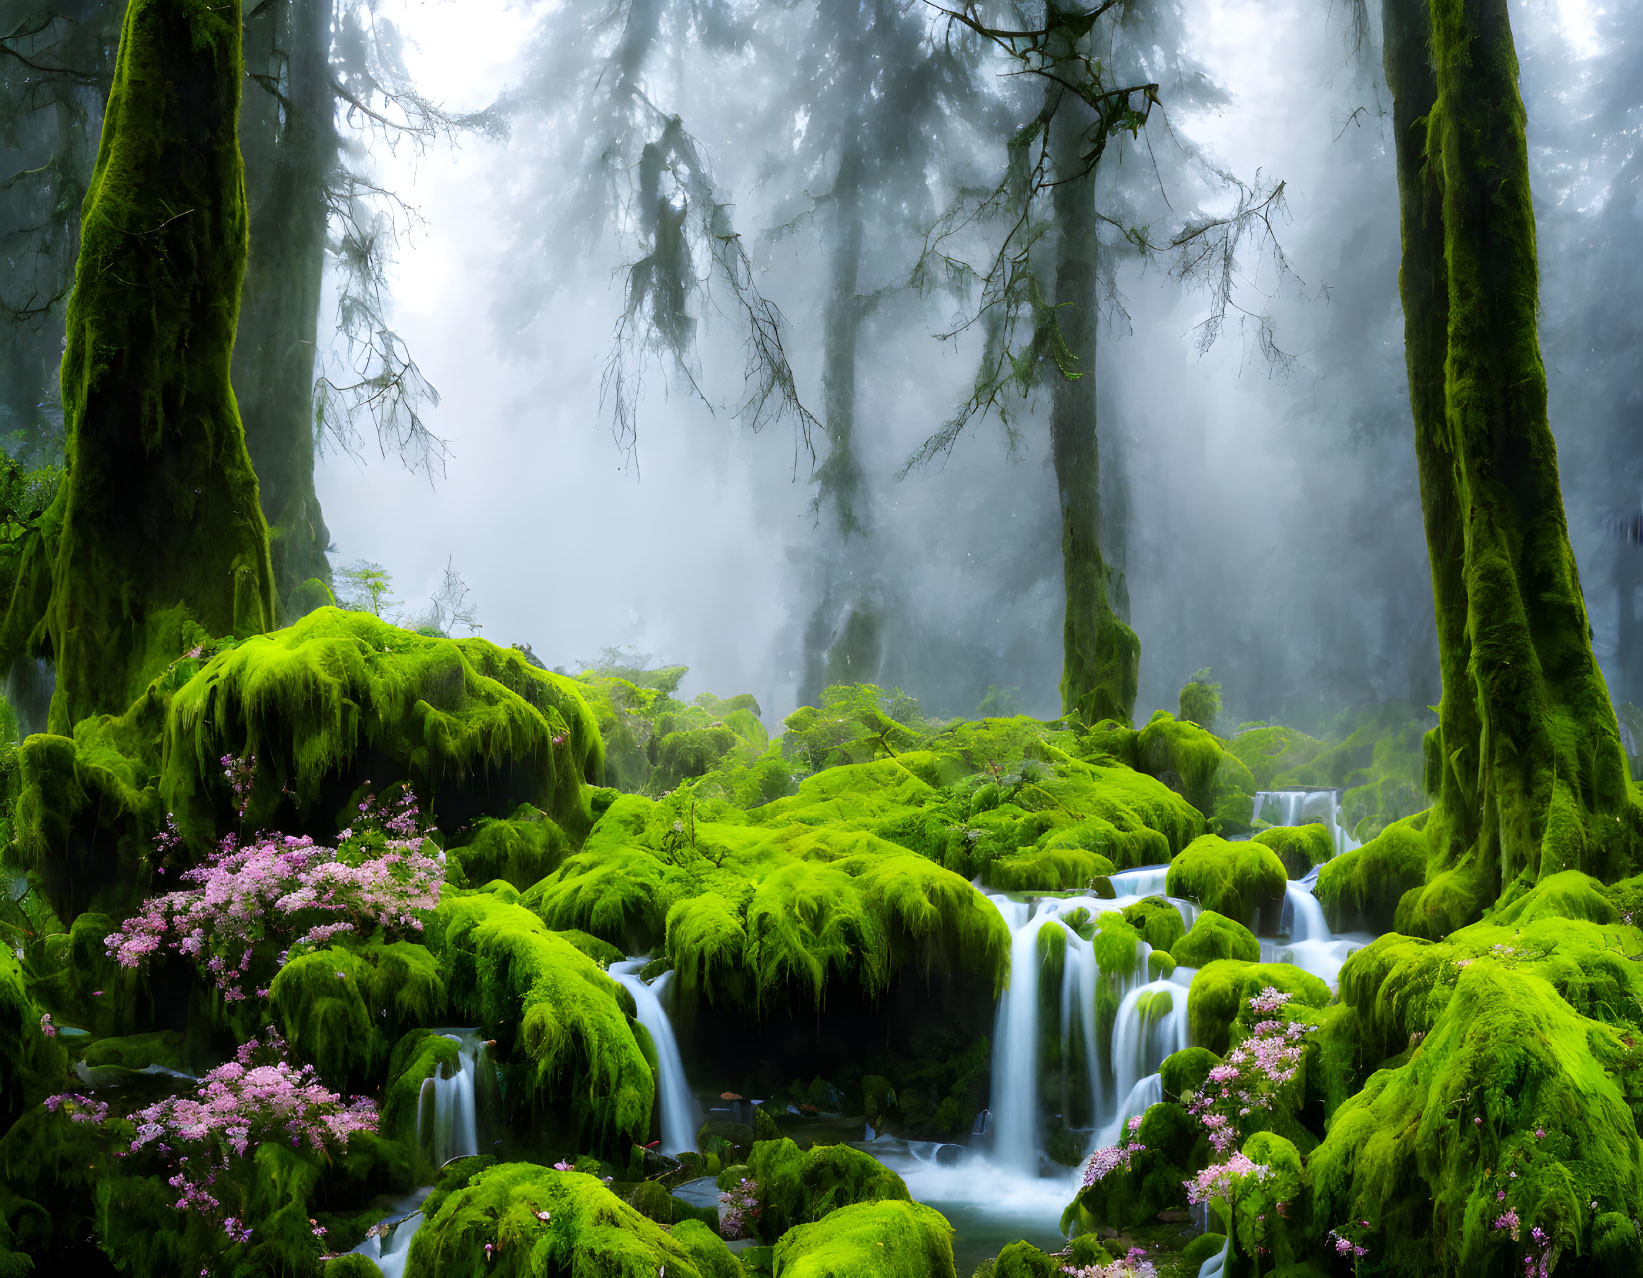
1219 1179
46 1027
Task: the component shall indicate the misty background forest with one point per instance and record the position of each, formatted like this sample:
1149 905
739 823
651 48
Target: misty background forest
705 638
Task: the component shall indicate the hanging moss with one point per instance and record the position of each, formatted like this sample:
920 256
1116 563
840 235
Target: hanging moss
1234 879
1299 847
1185 1071
1214 936
541 1223
799 1186
562 1025
890 1239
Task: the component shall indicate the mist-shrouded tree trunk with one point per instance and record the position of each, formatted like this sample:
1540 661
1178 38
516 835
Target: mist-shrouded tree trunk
842 641
156 534
1101 654
1525 766
289 138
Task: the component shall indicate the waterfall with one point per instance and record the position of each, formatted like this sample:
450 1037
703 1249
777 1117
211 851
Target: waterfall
388 1242
1144 1032
1303 807
451 1119
1311 946
679 1116
1015 1046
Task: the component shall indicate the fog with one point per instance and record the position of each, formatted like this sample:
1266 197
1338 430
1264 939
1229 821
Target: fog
1269 504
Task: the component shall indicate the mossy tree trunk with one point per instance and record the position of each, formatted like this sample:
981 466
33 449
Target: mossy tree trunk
1525 766
1101 655
158 531
289 137
842 641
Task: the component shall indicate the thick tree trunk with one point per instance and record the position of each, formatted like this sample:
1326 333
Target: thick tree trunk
157 531
288 135
1525 766
1101 654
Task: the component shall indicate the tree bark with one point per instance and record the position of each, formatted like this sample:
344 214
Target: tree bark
1101 655
1525 766
289 139
157 538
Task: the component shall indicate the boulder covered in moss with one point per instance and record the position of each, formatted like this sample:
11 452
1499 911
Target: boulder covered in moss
518 1220
1171 1142
1299 847
1361 888
886 1239
1221 991
1237 880
1158 921
799 1186
1214 936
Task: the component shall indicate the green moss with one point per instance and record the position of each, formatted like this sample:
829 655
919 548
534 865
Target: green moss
156 537
1234 879
887 1239
1299 847
1214 936
526 847
562 1025
341 1007
798 1186
33 1061
1125 1199
419 1055
1185 1071
1362 888
1201 1248
1047 869
1157 921
1221 990
543 1224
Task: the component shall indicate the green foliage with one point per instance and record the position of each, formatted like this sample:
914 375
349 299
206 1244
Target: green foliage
1133 1196
1362 888
1220 994
1200 700
365 587
887 1239
521 850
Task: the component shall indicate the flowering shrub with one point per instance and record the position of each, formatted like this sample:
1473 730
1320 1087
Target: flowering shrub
1250 1076
1133 1264
736 1207
1111 1157
249 906
1219 1180
1346 1244
256 1098
79 1108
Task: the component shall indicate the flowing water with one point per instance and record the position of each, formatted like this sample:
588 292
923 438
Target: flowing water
680 1118
389 1240
447 1114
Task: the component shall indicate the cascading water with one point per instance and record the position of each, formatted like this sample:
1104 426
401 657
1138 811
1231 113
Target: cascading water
1150 1025
389 1241
1303 807
679 1113
1015 1045
447 1114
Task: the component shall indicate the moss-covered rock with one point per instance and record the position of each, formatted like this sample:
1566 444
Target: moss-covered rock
1361 888
1157 921
1214 936
563 1027
886 1239
520 850
799 1186
1186 1070
540 1223
1233 879
1221 992
1131 1196
1299 847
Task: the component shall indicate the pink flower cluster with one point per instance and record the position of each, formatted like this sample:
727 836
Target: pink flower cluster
736 1206
256 1098
282 892
80 1108
1109 1158
1219 1179
1251 1074
1347 1246
1133 1264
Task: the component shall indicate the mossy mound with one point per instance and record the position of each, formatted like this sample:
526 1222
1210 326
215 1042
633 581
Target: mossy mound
1221 991
340 1008
541 1223
1127 1197
755 911
32 1059
886 1239
1157 922
563 1027
798 1186
1214 936
520 850
1190 760
1299 847
1362 888
1234 879
1185 1071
